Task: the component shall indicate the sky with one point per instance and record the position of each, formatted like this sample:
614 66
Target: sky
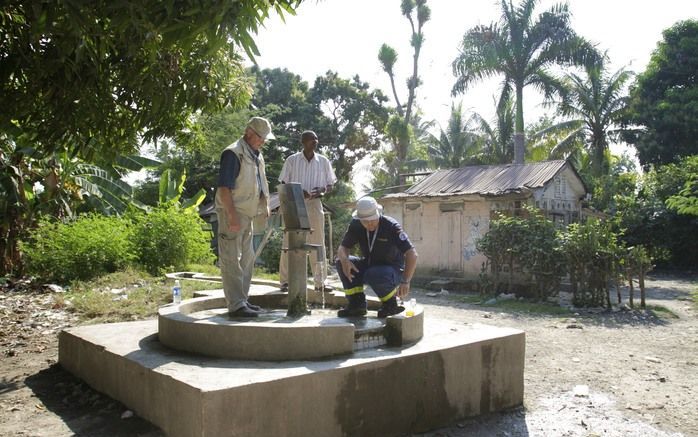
345 35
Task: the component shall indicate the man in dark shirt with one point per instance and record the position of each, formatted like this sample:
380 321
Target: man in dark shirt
387 264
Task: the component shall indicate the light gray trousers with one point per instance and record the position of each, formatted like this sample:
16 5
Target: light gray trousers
236 258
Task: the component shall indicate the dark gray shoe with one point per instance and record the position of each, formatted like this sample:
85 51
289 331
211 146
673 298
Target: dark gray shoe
254 307
352 312
243 311
389 310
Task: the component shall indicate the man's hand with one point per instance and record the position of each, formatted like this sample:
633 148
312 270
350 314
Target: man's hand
403 290
348 268
317 192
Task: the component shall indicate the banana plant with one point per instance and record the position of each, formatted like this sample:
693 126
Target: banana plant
171 189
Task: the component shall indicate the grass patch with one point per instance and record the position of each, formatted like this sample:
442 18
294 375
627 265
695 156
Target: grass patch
530 307
133 294
694 295
119 296
662 312
475 299
213 270
514 306
260 273
207 269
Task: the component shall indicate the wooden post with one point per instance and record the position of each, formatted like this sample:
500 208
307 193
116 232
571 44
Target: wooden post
630 290
641 279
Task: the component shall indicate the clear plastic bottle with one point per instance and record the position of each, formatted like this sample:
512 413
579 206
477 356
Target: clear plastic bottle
177 292
411 307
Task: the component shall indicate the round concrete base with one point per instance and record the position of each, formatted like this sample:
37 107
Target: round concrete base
202 325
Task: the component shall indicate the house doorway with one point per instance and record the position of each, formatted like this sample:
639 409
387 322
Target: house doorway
451 238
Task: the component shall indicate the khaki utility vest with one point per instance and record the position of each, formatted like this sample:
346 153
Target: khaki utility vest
246 192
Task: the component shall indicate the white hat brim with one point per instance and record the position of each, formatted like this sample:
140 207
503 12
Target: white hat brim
375 216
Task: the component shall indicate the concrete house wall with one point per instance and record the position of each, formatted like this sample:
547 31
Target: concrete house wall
444 232
445 228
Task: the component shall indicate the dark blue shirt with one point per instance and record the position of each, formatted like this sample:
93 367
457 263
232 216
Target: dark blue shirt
229 168
389 246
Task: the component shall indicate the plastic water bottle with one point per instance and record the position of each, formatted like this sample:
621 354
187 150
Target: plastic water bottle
177 292
411 307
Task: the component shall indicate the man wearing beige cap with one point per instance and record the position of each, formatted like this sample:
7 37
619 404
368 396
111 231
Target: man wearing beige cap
242 194
387 263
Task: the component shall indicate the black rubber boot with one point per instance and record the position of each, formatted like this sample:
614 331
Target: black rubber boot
390 308
356 306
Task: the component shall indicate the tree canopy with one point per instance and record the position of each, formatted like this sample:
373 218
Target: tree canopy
345 113
596 101
664 100
95 77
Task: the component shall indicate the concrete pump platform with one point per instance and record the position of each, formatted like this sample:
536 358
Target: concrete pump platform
454 371
202 326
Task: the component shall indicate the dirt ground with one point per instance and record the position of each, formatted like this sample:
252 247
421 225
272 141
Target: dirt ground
592 373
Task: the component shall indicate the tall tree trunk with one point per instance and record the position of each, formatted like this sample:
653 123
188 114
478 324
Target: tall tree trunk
598 165
398 106
519 151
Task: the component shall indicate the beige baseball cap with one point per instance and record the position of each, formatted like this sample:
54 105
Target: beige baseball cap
262 127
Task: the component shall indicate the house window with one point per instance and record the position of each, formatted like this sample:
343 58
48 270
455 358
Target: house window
450 207
413 221
558 220
558 188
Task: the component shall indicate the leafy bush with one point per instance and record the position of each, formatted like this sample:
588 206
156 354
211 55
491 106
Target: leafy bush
272 251
82 249
594 257
168 238
650 217
530 244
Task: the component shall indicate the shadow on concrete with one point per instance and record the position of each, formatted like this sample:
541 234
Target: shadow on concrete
153 354
85 411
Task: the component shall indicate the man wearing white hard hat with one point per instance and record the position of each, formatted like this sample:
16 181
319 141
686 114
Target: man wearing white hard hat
242 194
387 263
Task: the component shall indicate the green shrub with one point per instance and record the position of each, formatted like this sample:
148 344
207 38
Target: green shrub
594 257
272 252
168 238
529 244
90 246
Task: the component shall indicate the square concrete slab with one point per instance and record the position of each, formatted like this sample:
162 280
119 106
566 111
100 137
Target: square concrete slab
455 371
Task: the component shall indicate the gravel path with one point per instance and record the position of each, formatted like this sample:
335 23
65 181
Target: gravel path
634 374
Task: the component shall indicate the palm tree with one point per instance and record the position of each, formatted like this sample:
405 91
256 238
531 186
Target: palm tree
498 137
596 102
521 47
398 127
458 145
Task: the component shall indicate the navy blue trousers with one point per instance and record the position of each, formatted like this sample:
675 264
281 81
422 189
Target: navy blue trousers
383 279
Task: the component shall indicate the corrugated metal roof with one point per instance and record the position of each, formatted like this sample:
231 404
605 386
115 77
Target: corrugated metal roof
491 180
